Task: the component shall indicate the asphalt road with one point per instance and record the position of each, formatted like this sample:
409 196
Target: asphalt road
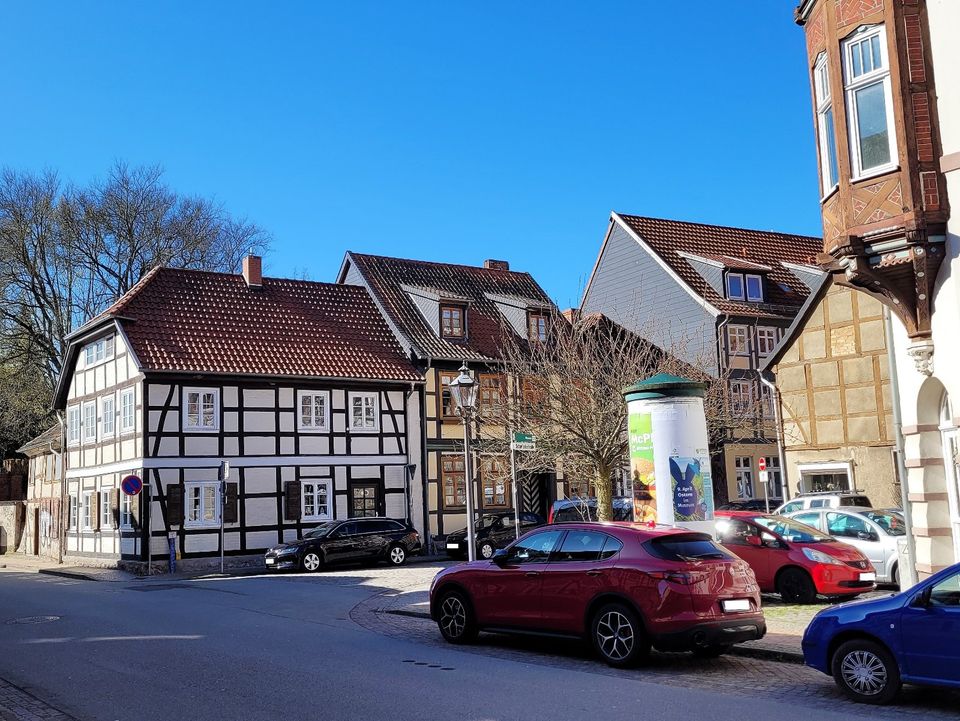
287 648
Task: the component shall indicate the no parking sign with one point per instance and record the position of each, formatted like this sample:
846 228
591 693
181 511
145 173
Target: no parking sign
131 485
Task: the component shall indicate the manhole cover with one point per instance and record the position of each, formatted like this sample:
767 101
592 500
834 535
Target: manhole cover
32 620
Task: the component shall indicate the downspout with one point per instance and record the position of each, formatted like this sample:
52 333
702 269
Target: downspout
424 465
407 474
908 575
722 449
778 420
63 488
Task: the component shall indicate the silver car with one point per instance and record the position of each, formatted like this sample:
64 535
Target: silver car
874 532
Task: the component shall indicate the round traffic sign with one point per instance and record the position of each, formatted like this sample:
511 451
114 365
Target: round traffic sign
762 463
131 485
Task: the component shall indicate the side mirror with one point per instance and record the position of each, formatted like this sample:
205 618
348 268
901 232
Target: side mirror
867 536
921 600
769 541
499 556
754 541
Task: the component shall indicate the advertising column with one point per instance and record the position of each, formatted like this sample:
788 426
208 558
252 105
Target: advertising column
669 455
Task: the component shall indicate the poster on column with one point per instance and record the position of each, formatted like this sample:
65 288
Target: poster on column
692 487
642 469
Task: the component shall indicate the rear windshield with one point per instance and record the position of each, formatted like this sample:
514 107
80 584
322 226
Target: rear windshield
791 530
892 523
861 501
685 548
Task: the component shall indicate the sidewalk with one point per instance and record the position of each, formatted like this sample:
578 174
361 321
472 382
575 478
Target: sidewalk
30 564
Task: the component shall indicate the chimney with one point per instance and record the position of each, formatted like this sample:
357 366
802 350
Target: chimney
491 264
252 273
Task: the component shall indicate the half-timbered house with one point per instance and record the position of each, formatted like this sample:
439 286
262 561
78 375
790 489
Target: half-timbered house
300 386
444 315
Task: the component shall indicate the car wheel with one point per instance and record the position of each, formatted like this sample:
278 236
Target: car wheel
895 576
455 618
796 586
397 555
710 651
618 635
486 550
311 561
866 672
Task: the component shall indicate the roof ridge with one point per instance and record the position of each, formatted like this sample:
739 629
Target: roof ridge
722 227
201 271
437 262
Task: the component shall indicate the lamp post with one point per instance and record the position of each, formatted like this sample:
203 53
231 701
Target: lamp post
464 390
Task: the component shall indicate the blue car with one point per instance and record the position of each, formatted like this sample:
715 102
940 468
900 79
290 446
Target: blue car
872 647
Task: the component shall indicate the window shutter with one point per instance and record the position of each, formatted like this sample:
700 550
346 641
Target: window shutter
175 505
292 509
95 509
230 511
135 508
115 507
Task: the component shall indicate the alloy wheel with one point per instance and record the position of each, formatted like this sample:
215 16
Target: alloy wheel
311 562
453 617
397 555
864 672
615 635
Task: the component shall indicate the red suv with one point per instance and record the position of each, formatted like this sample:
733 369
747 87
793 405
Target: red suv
626 586
794 559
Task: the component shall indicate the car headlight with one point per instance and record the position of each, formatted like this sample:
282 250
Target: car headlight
821 557
284 550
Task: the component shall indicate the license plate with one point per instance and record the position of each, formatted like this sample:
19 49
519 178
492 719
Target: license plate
737 604
868 577
453 546
270 561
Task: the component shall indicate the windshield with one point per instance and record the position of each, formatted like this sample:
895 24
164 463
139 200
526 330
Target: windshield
486 521
320 531
891 523
792 530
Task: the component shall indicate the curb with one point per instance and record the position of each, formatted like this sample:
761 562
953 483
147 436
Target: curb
67 574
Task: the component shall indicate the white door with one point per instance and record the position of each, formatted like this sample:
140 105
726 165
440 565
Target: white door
951 447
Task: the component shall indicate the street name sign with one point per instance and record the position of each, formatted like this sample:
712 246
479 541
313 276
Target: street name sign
523 442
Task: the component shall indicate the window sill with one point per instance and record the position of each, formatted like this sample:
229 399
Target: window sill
316 519
364 431
191 429
829 194
313 431
203 524
874 173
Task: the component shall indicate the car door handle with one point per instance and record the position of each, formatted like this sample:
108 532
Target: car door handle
532 573
594 572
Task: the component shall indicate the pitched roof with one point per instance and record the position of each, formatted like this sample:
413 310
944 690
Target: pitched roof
41 444
738 249
203 322
386 277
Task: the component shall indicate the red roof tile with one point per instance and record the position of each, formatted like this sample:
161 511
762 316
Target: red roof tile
202 322
386 276
785 291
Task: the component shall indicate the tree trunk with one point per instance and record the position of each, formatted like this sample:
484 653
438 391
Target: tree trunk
604 488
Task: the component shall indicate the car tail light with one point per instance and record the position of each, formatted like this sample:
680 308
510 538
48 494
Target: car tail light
550 515
681 577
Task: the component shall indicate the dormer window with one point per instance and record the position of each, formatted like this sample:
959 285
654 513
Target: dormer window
755 288
537 327
451 321
98 351
735 286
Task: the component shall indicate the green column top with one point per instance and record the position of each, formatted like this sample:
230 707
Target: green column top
665 385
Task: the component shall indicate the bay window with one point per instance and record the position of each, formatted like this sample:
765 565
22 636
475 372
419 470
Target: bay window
869 102
826 133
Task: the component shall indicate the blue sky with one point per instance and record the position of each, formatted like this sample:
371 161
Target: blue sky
440 130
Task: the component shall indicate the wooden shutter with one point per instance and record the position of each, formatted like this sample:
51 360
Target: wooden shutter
175 505
95 507
135 508
231 510
292 507
115 507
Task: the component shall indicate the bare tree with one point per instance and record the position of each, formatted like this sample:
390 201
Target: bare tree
568 392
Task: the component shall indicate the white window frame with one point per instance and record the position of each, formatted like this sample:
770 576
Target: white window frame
314 427
185 415
766 337
824 104
106 508
74 421
738 330
86 511
89 423
99 351
767 402
879 75
126 511
746 287
831 467
305 493
743 287
734 395
200 522
375 428
132 395
106 415
73 519
744 475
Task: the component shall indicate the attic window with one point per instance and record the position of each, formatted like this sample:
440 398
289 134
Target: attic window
755 288
537 326
451 321
735 286
98 351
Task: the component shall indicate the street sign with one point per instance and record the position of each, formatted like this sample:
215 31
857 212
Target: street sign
523 442
762 464
131 485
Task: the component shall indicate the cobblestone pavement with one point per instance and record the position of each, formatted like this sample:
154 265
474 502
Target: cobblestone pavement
729 675
18 705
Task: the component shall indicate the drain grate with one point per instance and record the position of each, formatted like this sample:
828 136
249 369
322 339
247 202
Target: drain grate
32 620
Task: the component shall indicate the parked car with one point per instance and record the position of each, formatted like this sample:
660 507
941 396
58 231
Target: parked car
625 587
871 647
752 504
832 499
795 560
354 540
578 510
493 531
875 532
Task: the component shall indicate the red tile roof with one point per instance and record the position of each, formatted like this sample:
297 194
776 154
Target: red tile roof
386 276
203 322
785 292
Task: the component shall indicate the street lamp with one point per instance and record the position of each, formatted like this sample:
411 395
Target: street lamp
464 390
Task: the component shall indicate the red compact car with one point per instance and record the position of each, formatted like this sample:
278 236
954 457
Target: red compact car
625 586
794 559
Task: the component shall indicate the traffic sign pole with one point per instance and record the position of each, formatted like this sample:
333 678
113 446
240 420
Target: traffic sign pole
513 481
